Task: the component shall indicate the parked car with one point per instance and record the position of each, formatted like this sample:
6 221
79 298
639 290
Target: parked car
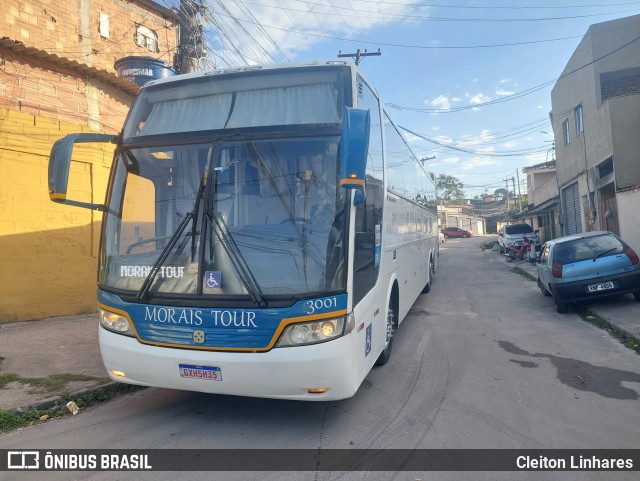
513 234
587 266
456 232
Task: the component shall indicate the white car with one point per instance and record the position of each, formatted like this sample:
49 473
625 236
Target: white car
514 234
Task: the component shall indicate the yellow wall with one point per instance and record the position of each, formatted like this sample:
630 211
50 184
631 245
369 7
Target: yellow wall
48 251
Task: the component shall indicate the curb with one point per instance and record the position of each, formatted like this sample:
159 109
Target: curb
47 403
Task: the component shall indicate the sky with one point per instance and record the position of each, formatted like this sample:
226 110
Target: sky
469 82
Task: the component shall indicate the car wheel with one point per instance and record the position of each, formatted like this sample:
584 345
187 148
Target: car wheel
561 306
385 355
465 236
543 289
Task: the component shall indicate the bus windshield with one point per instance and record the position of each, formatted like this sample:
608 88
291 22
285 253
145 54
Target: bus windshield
256 217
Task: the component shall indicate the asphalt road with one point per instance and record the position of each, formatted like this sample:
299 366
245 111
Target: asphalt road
482 361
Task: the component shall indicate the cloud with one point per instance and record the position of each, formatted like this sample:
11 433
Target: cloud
476 162
504 92
441 102
478 98
450 160
504 80
293 26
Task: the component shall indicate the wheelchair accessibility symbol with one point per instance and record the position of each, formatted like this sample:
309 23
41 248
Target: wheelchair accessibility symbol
212 279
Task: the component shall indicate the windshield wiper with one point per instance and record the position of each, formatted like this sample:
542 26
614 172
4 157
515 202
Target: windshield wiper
239 263
604 252
196 209
163 256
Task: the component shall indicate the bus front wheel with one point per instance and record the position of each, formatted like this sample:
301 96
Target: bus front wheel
385 355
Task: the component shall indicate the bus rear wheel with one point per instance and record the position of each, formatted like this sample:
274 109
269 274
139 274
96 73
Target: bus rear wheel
385 355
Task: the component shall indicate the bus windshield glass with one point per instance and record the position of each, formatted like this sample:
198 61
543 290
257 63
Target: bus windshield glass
255 99
254 217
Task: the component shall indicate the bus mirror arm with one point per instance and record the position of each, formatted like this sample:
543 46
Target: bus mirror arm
60 166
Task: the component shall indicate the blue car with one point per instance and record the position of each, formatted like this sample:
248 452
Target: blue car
587 266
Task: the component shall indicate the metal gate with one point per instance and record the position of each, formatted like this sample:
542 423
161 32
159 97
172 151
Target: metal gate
571 208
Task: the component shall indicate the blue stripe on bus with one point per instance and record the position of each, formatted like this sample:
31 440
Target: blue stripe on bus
223 328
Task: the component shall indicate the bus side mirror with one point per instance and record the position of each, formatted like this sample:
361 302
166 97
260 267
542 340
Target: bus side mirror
60 165
354 148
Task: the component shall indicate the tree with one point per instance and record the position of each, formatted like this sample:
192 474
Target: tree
503 192
449 188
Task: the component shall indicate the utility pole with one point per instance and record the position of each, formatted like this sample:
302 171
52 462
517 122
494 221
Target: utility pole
507 195
358 55
191 43
422 160
513 181
519 193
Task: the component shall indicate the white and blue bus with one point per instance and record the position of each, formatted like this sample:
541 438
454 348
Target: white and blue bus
265 231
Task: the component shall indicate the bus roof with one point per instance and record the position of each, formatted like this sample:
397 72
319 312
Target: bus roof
250 68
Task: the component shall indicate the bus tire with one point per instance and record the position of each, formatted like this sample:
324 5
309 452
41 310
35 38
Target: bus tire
432 270
385 355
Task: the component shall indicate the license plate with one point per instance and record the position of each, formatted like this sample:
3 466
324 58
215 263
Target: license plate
207 373
603 286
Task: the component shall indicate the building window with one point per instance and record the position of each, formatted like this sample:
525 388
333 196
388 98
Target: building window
579 124
104 25
566 132
605 168
147 38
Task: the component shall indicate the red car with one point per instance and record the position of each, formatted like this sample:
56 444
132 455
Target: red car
456 232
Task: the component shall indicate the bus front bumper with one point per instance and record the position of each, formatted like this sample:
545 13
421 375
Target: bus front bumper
283 373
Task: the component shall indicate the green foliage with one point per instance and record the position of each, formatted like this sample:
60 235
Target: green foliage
516 207
627 339
10 420
6 378
450 189
58 382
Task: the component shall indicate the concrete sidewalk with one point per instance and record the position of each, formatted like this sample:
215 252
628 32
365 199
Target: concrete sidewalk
66 348
62 349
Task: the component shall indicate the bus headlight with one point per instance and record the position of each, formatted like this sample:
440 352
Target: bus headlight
304 333
116 323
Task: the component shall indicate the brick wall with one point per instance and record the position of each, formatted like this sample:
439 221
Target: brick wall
70 29
48 251
28 85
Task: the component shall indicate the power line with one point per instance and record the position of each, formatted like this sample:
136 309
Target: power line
388 15
516 95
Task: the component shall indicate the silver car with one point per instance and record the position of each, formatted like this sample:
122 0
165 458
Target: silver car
587 266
